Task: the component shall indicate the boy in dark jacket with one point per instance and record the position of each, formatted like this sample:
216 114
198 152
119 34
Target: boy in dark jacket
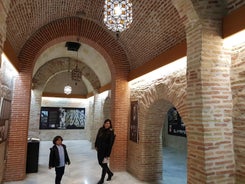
58 157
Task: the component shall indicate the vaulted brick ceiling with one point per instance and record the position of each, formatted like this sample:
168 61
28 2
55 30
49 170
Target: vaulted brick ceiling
156 25
155 28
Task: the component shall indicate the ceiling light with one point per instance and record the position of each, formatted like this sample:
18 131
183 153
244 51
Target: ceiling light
76 73
67 89
118 14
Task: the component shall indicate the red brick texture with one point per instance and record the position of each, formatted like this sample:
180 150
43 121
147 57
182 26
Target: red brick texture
17 141
209 104
46 36
206 105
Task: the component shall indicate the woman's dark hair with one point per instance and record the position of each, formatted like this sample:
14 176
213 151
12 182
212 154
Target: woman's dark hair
108 120
56 138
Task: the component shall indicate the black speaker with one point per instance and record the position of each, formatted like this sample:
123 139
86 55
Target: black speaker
73 46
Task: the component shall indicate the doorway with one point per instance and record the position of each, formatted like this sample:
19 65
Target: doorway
174 149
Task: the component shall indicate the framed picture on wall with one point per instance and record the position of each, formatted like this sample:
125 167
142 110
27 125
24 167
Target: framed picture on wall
175 124
5 109
4 130
134 134
62 118
5 112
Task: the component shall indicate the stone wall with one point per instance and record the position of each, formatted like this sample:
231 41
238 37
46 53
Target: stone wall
238 96
5 85
155 99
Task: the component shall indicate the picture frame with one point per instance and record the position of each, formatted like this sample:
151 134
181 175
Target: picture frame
5 113
175 124
62 118
4 130
134 133
5 109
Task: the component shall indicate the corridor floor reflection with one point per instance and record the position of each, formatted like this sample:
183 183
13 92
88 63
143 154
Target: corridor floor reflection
84 168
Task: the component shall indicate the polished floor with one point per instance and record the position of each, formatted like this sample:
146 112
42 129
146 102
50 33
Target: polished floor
84 168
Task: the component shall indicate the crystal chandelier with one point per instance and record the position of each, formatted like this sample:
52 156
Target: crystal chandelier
118 14
67 89
76 74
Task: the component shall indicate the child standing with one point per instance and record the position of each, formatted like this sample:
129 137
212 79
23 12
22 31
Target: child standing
58 157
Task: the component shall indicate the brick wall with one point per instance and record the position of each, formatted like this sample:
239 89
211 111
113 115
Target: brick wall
155 99
5 86
209 104
117 62
207 109
238 94
18 133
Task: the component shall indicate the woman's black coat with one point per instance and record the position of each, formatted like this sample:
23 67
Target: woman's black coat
104 141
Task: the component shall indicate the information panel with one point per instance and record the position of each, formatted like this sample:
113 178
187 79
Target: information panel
62 118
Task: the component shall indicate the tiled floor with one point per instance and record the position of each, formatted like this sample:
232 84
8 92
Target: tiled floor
84 168
174 166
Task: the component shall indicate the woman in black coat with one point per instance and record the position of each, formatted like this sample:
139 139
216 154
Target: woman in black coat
103 144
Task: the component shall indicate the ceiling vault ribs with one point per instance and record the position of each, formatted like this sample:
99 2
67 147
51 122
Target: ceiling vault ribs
38 25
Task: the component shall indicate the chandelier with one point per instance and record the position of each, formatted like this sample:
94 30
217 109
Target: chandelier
118 14
76 73
67 89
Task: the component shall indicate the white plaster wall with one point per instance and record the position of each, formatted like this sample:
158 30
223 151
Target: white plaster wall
93 113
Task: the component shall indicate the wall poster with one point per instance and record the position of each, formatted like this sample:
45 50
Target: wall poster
62 118
5 112
175 124
134 133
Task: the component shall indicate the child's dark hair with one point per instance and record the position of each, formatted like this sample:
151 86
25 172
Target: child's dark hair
56 138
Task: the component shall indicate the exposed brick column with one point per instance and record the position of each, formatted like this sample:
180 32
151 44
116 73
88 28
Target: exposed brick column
238 91
119 115
209 104
17 142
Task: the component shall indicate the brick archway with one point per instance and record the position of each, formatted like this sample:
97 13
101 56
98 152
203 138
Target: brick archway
154 103
55 32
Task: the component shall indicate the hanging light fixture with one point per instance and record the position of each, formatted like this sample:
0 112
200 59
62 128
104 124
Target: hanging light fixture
68 88
76 73
118 14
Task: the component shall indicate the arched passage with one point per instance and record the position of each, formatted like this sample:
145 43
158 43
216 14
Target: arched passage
62 30
174 148
154 102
